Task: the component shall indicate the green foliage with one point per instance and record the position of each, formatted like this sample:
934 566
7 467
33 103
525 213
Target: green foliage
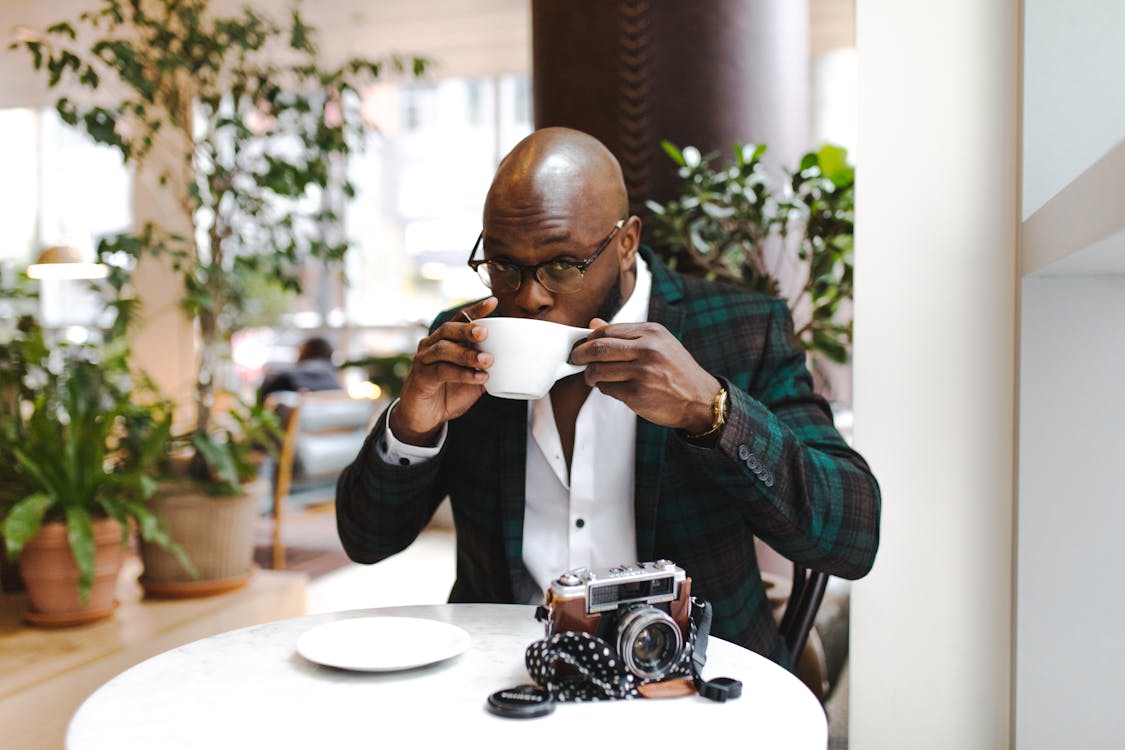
81 437
732 223
231 454
263 130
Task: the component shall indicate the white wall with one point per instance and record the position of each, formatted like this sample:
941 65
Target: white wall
1074 62
1070 656
1071 613
934 370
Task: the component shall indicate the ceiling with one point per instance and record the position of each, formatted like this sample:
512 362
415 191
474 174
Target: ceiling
467 37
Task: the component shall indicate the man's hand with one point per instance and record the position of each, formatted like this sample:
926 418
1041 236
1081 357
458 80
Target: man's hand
445 379
648 369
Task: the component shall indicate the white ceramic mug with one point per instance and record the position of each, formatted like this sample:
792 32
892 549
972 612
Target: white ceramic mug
528 355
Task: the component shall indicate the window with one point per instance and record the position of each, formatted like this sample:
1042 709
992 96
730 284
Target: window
59 188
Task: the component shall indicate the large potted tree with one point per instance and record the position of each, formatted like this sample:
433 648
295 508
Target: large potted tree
261 129
81 436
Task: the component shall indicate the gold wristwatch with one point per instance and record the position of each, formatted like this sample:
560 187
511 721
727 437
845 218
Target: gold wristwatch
720 407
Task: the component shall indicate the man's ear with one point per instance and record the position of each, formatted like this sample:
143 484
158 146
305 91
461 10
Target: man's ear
630 241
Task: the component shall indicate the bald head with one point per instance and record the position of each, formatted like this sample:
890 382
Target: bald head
557 167
560 196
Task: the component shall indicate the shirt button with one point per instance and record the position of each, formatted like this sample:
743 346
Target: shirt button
580 523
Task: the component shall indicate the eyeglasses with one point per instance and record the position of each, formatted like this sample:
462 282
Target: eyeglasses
559 276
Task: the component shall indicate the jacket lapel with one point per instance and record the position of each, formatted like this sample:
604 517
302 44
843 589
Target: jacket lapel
667 291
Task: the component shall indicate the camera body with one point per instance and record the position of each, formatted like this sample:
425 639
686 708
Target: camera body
642 609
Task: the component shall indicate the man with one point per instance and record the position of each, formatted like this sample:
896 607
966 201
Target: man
313 371
693 428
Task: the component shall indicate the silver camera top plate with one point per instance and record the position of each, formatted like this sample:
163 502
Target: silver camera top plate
606 589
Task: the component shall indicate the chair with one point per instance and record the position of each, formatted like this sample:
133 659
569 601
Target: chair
805 595
324 431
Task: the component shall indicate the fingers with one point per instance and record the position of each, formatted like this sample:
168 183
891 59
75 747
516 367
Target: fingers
601 329
609 372
478 310
444 372
449 353
452 352
456 329
604 350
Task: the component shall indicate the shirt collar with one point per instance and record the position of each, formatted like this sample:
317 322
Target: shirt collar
635 309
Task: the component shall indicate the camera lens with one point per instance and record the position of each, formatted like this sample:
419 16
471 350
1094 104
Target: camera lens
649 641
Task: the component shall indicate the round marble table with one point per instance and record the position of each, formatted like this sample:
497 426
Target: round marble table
250 688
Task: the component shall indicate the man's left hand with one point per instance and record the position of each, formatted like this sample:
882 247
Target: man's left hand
649 370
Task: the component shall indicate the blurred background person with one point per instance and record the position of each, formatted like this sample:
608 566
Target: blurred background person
313 371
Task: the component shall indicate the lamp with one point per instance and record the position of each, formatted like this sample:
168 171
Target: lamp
65 262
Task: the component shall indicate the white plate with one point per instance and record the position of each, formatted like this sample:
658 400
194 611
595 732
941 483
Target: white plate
381 644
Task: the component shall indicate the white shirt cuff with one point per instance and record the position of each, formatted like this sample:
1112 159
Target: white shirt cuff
391 450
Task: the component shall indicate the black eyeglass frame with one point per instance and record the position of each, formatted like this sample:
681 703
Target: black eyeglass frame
581 265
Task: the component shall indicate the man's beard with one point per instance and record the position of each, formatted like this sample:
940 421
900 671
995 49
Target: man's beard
612 302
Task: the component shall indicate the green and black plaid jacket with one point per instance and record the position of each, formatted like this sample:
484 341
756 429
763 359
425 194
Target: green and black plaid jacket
779 470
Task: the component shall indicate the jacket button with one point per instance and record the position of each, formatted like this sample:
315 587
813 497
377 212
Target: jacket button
743 452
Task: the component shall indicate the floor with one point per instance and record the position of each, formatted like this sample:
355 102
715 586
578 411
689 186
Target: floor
421 574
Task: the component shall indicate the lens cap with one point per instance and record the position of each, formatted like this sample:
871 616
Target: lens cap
521 702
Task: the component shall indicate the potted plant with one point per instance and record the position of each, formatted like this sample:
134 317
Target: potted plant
263 129
82 436
795 240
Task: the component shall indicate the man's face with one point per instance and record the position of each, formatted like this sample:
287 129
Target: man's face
545 236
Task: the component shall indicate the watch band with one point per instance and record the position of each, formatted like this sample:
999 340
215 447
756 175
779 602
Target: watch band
718 413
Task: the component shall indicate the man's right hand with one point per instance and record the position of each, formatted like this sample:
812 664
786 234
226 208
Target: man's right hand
446 378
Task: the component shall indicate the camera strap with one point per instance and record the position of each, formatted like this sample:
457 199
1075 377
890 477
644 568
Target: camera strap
720 689
579 666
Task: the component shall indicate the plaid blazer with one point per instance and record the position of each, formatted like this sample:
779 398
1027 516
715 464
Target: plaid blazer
779 471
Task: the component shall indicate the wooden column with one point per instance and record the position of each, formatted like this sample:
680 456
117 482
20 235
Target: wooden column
706 74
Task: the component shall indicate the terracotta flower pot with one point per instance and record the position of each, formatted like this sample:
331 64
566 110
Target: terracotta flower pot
217 533
48 569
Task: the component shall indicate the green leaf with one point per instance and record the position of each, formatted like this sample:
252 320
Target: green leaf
674 153
80 534
717 211
834 164
830 346
22 522
62 28
219 460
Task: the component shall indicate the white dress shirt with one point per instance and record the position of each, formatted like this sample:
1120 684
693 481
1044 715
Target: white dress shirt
585 519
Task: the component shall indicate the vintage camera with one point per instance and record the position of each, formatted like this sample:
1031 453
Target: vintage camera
641 609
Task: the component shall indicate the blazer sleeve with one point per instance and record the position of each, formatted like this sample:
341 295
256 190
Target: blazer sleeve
381 507
803 490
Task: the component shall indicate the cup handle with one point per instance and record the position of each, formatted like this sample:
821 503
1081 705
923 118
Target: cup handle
568 369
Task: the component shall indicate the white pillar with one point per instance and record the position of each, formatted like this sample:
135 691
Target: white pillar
163 342
934 388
